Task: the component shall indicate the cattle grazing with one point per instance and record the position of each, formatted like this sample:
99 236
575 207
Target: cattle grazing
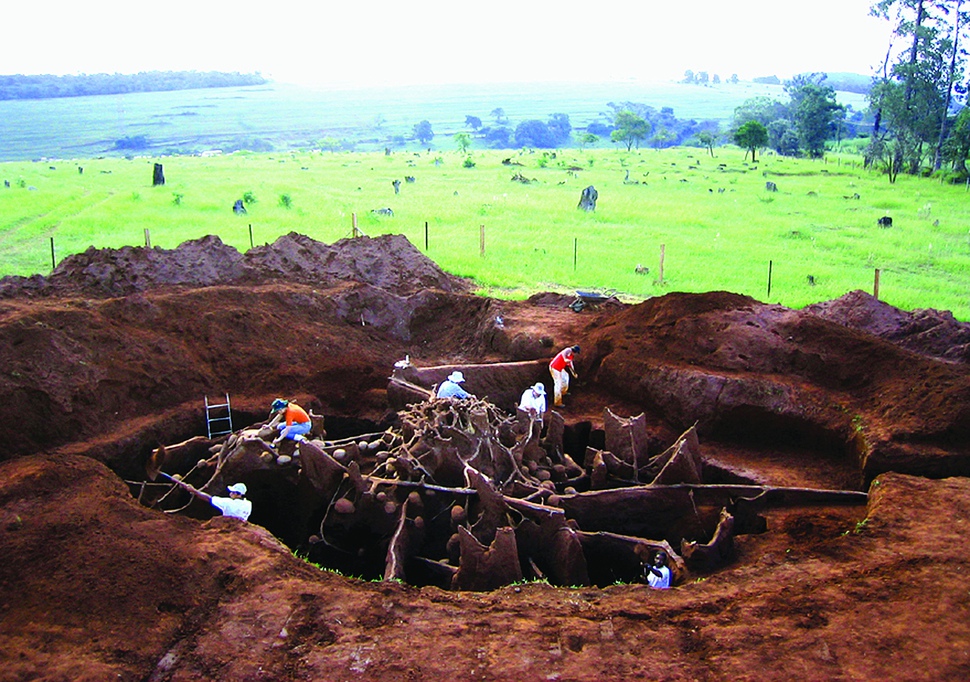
238 207
397 186
771 187
158 175
641 270
409 178
885 221
811 280
6 183
383 211
80 170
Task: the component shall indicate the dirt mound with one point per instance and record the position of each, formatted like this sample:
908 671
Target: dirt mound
935 333
388 262
754 373
112 355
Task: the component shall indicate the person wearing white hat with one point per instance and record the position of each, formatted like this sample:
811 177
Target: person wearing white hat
534 400
450 388
236 505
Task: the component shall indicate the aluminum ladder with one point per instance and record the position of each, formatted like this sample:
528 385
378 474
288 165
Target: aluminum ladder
218 418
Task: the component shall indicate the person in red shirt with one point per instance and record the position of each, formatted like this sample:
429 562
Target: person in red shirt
560 368
292 420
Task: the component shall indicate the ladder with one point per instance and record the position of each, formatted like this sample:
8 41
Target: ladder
218 418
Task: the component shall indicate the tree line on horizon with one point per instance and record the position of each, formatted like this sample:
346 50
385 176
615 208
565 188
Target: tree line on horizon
48 86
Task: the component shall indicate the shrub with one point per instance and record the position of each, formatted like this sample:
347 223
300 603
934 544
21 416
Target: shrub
286 201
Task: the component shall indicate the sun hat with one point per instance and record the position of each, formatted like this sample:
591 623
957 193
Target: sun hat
278 405
539 388
238 488
456 377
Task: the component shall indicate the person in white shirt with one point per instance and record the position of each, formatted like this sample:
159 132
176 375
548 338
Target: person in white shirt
657 574
236 505
534 401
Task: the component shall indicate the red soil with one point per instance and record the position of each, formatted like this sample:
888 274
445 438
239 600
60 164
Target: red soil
111 355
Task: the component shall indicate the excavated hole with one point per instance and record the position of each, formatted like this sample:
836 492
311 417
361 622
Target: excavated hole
286 505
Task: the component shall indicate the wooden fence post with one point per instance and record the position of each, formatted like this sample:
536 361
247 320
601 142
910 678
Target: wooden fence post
875 286
769 280
425 235
354 232
53 260
251 245
575 251
148 239
481 241
660 273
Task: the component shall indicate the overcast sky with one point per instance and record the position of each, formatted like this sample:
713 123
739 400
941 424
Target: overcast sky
368 42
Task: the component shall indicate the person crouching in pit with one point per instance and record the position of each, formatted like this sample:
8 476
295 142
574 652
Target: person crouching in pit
290 419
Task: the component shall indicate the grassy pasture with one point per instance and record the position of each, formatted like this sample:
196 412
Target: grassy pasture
278 116
718 225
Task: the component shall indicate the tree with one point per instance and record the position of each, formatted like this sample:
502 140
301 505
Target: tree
423 132
463 140
957 146
560 128
764 110
586 139
751 136
498 137
688 77
498 113
662 138
815 113
473 122
534 133
707 139
629 129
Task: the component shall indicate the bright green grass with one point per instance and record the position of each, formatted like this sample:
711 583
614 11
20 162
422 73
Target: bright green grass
712 240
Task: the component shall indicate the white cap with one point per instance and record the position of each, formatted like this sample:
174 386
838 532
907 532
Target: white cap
239 488
539 388
456 377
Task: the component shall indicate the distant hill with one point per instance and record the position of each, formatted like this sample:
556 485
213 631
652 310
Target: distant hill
19 86
279 116
838 81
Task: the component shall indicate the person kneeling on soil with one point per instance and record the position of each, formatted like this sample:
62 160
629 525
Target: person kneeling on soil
657 575
449 388
235 505
560 365
534 401
291 420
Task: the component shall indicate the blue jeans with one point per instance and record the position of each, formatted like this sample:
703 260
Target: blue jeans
294 429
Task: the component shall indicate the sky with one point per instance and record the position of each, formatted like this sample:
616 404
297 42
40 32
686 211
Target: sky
409 42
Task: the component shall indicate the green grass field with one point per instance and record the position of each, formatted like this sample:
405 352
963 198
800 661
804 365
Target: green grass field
718 226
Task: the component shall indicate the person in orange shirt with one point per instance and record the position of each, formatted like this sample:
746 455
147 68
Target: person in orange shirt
560 368
292 420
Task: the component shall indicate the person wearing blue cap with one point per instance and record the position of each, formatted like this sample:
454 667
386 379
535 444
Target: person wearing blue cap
291 420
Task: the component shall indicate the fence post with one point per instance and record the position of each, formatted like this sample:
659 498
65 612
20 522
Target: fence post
575 251
354 232
481 241
875 286
251 245
53 260
660 273
148 239
769 280
425 235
